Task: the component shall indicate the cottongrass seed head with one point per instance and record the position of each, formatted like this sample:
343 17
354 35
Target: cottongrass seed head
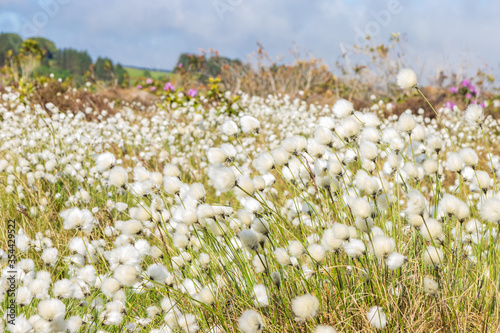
407 79
305 307
433 256
251 322
324 329
376 317
51 309
474 115
431 287
490 210
342 108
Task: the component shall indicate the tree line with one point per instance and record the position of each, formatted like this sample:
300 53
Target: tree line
39 56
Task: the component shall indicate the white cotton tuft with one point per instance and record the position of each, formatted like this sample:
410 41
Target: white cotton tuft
251 322
261 299
127 275
245 186
482 180
79 219
282 256
105 161
223 178
74 323
430 166
216 156
368 150
132 228
433 256
171 170
432 230
51 309
172 185
24 296
205 296
63 289
317 252
110 286
296 249
332 240
141 174
197 192
342 108
454 162
263 163
259 262
341 231
324 329
280 156
188 323
407 122
112 317
382 246
370 134
249 239
416 203
490 210
230 128
19 325
376 317
323 136
469 157
407 79
349 128
474 115
229 150
50 256
158 273
397 144
295 144
118 176
180 240
305 307
361 208
314 148
430 286
249 124
354 248
395 260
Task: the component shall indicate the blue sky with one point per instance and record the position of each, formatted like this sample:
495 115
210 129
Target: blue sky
152 33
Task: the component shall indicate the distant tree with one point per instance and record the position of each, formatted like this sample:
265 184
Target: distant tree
30 55
203 67
103 69
48 46
9 41
190 63
120 74
146 73
126 80
76 62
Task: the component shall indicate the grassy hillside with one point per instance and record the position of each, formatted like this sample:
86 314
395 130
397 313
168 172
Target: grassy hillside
137 72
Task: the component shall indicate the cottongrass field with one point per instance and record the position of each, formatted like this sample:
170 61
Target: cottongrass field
285 218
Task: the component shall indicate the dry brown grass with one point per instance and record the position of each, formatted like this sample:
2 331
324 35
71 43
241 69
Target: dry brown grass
68 100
